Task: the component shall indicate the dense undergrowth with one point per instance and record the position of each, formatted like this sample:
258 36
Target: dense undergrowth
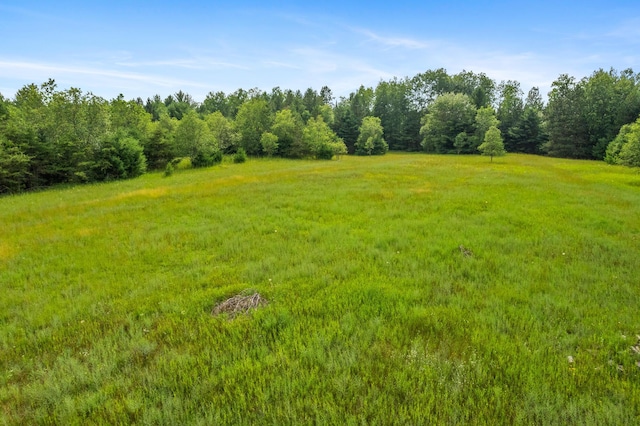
404 289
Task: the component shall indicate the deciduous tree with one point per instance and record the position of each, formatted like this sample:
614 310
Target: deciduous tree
253 119
370 140
493 145
448 116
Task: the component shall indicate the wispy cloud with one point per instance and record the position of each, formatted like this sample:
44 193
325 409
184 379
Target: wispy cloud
42 71
393 41
195 64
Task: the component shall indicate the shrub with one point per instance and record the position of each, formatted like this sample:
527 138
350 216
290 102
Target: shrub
117 158
168 171
325 152
240 156
370 140
206 158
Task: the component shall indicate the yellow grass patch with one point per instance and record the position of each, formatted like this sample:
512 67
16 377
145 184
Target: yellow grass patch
6 251
422 190
85 232
144 193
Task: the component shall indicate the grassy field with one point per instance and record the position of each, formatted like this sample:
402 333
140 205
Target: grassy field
376 314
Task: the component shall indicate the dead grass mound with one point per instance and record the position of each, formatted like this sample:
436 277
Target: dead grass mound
239 304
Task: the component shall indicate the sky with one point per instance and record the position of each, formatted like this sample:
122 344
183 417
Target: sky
143 48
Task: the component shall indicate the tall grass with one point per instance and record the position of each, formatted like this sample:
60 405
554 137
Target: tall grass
376 313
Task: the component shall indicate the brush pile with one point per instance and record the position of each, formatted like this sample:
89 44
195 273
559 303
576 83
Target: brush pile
239 304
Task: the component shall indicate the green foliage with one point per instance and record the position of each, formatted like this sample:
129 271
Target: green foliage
179 105
194 139
485 119
345 125
448 116
531 135
461 143
269 143
493 145
399 117
287 127
318 140
630 152
240 156
129 117
509 114
117 157
14 168
156 108
610 101
584 117
370 140
566 125
612 155
253 119
159 146
169 169
223 131
207 158
625 148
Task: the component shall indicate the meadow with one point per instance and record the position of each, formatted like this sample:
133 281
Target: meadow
401 289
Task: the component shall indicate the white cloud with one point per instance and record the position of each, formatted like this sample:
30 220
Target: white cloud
103 82
192 63
390 41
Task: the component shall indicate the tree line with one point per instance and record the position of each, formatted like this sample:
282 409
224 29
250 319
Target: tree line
50 136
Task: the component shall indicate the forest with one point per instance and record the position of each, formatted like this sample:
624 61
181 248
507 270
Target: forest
50 136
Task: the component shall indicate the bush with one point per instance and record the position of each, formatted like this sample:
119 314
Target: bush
325 152
117 158
240 156
168 171
206 159
370 140
625 148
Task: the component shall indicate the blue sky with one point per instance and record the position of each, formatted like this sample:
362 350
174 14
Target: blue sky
140 48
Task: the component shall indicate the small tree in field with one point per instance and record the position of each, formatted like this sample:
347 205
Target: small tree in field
370 140
493 144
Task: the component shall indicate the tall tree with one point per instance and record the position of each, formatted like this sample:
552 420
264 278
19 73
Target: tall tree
427 86
606 107
129 117
287 126
371 140
346 124
179 104
401 122
510 112
448 116
215 101
159 146
223 131
253 119
566 125
193 139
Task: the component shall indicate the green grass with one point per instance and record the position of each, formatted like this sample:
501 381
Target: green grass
375 316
